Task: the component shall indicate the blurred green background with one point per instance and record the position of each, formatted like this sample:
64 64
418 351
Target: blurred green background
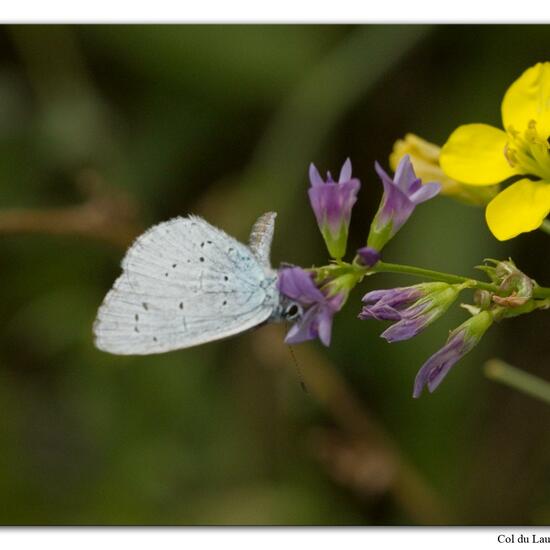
105 130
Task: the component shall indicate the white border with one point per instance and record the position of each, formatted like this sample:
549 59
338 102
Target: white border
268 538
278 11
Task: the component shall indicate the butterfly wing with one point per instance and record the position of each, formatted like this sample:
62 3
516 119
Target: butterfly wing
184 283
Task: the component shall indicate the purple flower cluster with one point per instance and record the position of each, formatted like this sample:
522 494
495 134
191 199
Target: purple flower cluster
412 308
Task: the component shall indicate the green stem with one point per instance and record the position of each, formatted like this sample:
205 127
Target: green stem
342 268
383 267
541 292
545 226
506 374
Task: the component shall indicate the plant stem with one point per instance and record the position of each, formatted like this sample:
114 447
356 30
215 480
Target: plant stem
502 372
383 267
541 292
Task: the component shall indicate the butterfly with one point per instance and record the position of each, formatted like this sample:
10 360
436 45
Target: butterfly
185 282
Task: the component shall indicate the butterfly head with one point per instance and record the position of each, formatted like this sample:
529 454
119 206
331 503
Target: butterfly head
286 310
291 311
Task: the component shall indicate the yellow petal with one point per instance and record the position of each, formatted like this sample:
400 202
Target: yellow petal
528 98
519 208
474 154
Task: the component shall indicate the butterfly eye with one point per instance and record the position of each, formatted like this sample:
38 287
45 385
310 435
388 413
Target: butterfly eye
292 312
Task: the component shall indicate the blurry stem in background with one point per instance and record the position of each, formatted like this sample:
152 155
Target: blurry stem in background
308 116
74 124
345 76
545 226
58 75
52 59
337 399
506 374
107 214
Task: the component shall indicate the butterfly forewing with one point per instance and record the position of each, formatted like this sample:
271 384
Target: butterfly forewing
184 282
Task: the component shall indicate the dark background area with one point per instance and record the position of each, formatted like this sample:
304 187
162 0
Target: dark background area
105 130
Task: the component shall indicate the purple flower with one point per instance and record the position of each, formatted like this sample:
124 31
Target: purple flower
461 340
401 195
368 256
316 322
412 307
332 203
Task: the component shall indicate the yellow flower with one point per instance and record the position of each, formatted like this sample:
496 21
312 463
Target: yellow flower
483 155
425 160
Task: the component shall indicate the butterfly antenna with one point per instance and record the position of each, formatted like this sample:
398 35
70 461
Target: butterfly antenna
298 370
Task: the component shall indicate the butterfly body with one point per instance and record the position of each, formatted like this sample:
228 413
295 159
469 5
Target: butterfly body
185 283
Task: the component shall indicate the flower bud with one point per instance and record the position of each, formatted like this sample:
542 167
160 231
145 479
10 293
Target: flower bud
332 203
401 195
461 341
516 286
368 256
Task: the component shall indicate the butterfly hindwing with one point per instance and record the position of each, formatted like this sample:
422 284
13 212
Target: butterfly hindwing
184 282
